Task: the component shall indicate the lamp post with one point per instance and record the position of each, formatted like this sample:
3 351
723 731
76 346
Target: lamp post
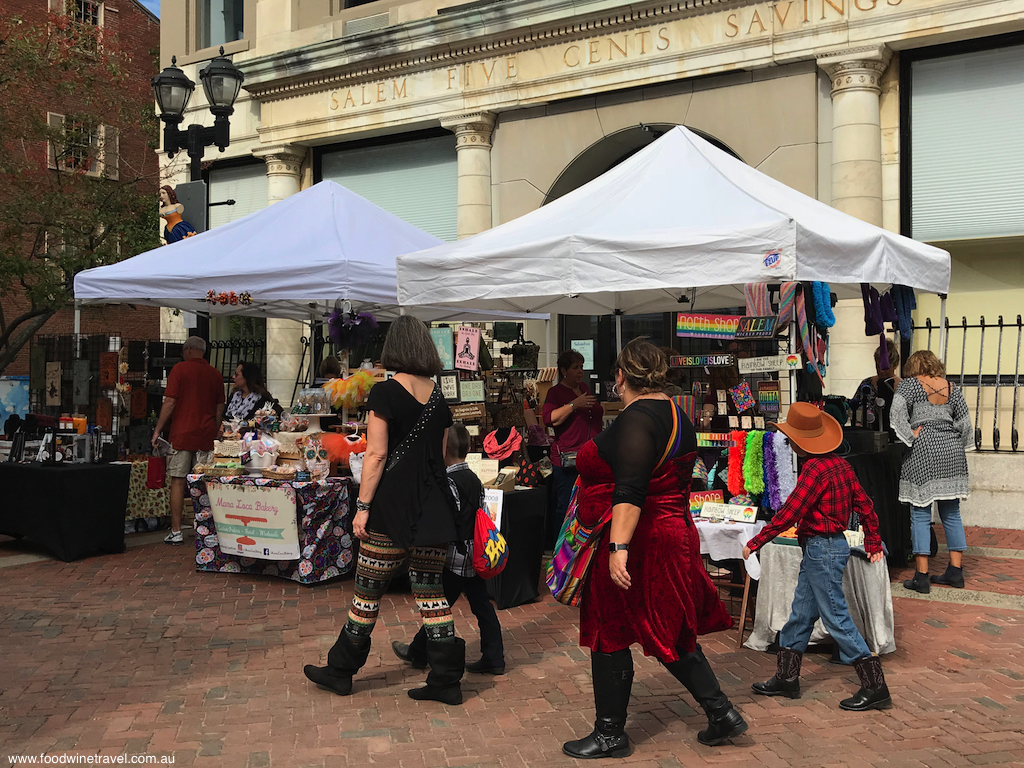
221 82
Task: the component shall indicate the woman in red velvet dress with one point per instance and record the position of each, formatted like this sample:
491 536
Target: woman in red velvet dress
647 583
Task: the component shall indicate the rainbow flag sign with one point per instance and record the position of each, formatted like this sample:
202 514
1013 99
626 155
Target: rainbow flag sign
698 499
699 326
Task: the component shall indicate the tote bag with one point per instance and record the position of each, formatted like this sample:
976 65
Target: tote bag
490 552
574 552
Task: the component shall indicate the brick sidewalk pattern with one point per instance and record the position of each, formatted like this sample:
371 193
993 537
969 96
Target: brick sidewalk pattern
138 654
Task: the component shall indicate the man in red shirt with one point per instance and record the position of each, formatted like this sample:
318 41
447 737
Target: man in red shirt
826 494
195 399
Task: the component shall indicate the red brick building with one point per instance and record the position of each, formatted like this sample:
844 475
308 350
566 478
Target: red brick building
137 32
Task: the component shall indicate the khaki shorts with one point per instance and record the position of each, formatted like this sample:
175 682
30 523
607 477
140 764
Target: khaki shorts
180 463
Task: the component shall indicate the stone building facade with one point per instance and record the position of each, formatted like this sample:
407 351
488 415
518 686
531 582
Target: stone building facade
483 111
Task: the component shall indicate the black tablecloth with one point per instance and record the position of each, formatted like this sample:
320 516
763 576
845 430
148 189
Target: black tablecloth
522 525
879 473
72 511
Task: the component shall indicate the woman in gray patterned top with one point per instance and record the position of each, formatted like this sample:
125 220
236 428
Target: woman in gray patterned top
930 415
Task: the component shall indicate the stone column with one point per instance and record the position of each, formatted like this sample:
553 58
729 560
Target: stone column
856 132
284 350
473 144
284 167
856 189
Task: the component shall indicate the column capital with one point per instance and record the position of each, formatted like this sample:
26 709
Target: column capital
281 159
471 130
858 69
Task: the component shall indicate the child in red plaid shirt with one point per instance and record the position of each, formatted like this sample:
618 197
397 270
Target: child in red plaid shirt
820 506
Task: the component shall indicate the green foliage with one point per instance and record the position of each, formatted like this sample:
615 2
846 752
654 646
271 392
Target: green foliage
78 176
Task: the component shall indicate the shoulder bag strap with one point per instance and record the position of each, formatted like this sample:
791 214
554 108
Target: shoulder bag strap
428 408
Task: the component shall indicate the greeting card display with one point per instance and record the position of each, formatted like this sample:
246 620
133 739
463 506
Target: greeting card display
467 349
742 397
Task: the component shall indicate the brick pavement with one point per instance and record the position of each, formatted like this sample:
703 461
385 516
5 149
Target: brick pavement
137 653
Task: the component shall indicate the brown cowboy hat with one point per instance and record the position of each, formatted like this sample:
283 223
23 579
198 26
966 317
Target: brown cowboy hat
812 430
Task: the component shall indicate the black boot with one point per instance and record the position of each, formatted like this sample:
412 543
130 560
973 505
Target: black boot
408 655
695 673
873 693
613 679
447 659
346 657
953 577
786 681
919 583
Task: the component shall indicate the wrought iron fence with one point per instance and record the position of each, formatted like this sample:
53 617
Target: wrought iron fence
226 355
984 360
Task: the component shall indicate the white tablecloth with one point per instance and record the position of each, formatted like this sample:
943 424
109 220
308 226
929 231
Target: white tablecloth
725 541
866 586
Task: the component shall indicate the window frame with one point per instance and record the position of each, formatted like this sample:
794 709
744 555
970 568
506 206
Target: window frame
194 53
105 138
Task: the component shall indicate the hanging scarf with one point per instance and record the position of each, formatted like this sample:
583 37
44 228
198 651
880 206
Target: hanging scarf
823 305
873 323
771 473
501 451
758 304
887 305
883 353
784 467
805 331
753 471
787 298
906 303
736 456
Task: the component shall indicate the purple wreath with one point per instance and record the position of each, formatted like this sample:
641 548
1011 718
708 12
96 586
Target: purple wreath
349 330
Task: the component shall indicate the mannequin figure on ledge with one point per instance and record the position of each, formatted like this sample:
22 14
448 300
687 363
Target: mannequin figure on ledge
175 228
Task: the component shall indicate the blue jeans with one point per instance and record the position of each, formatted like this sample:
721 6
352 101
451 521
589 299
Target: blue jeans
819 593
921 520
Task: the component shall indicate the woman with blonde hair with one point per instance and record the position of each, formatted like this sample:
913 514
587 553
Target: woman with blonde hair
930 415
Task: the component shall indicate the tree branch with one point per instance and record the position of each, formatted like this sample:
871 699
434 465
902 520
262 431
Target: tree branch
10 349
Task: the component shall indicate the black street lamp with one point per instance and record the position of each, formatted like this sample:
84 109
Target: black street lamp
221 82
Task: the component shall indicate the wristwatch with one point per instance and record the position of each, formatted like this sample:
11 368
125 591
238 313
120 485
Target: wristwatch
572 404
613 547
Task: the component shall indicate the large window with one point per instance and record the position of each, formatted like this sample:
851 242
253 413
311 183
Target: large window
81 145
220 22
86 12
967 145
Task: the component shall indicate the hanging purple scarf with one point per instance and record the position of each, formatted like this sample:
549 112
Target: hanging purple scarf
771 473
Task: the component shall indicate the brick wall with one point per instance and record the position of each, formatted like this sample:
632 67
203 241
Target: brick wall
138 32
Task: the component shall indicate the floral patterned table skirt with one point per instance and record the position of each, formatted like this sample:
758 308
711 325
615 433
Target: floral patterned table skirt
324 524
146 502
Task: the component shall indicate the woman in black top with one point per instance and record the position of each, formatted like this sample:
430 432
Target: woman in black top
249 394
404 511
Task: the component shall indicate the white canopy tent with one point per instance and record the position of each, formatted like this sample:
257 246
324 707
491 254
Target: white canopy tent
295 258
679 226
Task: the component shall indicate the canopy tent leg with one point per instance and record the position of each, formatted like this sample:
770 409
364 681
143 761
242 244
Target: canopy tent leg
618 331
313 330
942 327
547 343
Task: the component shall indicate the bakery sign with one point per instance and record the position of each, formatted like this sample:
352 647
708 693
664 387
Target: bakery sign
255 521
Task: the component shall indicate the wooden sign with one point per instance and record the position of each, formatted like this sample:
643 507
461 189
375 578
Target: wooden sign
769 394
105 415
53 373
469 412
769 364
699 498
108 369
702 361
739 513
757 327
700 326
467 349
139 401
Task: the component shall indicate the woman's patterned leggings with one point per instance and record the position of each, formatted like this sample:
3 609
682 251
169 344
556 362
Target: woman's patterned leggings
379 558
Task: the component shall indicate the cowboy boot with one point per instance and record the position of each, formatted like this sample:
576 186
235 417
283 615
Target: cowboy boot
786 680
873 693
447 659
695 673
346 657
613 679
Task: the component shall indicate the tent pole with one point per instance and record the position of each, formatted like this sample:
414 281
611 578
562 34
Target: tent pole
312 347
794 349
547 343
942 328
618 331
